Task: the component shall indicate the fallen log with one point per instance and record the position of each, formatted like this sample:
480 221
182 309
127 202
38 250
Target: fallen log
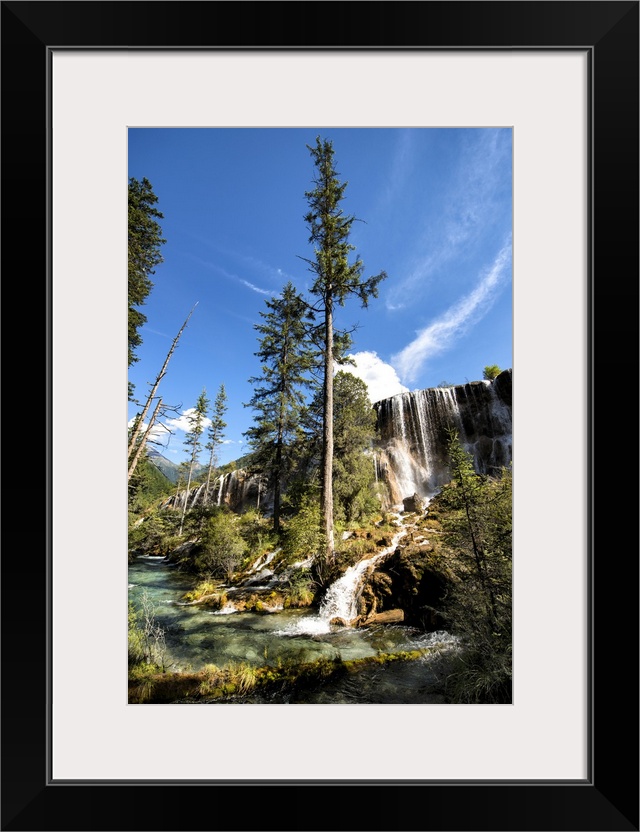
386 617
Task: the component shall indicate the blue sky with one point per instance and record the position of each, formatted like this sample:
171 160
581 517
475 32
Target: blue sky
434 211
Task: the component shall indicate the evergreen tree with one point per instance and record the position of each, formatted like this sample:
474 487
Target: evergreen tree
278 392
193 443
144 243
354 426
477 523
215 433
221 546
467 496
335 280
147 486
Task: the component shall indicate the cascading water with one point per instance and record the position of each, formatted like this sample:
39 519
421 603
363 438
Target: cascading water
341 599
413 430
220 489
237 489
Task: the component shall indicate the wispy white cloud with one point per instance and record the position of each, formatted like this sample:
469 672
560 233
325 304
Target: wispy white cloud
401 166
270 272
381 379
443 332
256 288
255 265
473 203
234 277
156 332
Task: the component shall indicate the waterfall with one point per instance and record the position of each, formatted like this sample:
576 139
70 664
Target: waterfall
220 489
341 598
196 494
412 448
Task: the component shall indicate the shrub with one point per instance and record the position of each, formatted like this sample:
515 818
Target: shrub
491 371
303 537
206 587
221 546
257 532
135 643
301 590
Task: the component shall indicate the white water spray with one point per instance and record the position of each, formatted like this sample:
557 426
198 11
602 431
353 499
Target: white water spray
341 599
220 489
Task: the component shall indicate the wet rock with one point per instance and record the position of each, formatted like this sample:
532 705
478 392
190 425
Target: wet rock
413 504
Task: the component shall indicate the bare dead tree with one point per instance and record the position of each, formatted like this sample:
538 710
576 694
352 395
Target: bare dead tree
138 425
143 442
153 635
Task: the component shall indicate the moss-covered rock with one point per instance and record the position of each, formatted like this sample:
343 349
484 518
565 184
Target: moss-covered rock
415 578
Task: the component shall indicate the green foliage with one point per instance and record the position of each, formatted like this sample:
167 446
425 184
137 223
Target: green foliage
135 643
146 638
196 418
300 591
208 590
146 486
144 243
354 425
476 517
257 532
303 537
334 280
481 676
329 229
154 533
354 549
215 431
193 441
221 547
238 679
491 371
278 392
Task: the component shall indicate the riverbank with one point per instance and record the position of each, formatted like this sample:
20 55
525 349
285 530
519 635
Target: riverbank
405 677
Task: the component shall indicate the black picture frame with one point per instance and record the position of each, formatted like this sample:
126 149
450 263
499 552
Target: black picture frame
608 798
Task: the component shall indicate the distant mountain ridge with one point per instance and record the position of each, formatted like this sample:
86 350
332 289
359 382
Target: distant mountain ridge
170 469
164 465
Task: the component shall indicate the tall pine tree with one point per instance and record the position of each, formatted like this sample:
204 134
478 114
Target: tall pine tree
335 280
215 434
193 443
278 392
144 244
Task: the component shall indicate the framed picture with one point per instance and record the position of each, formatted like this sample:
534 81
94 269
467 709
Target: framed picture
564 78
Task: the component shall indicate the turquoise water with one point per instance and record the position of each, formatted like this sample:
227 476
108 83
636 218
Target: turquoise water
196 636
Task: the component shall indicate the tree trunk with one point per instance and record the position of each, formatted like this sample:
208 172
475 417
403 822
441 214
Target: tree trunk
143 442
277 473
386 617
186 496
138 427
327 435
206 488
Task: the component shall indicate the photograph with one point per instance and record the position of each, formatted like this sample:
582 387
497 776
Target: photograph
381 284
320 415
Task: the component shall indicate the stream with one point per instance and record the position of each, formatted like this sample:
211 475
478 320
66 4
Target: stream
197 636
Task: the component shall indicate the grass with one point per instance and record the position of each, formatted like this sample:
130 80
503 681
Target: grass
204 589
215 684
